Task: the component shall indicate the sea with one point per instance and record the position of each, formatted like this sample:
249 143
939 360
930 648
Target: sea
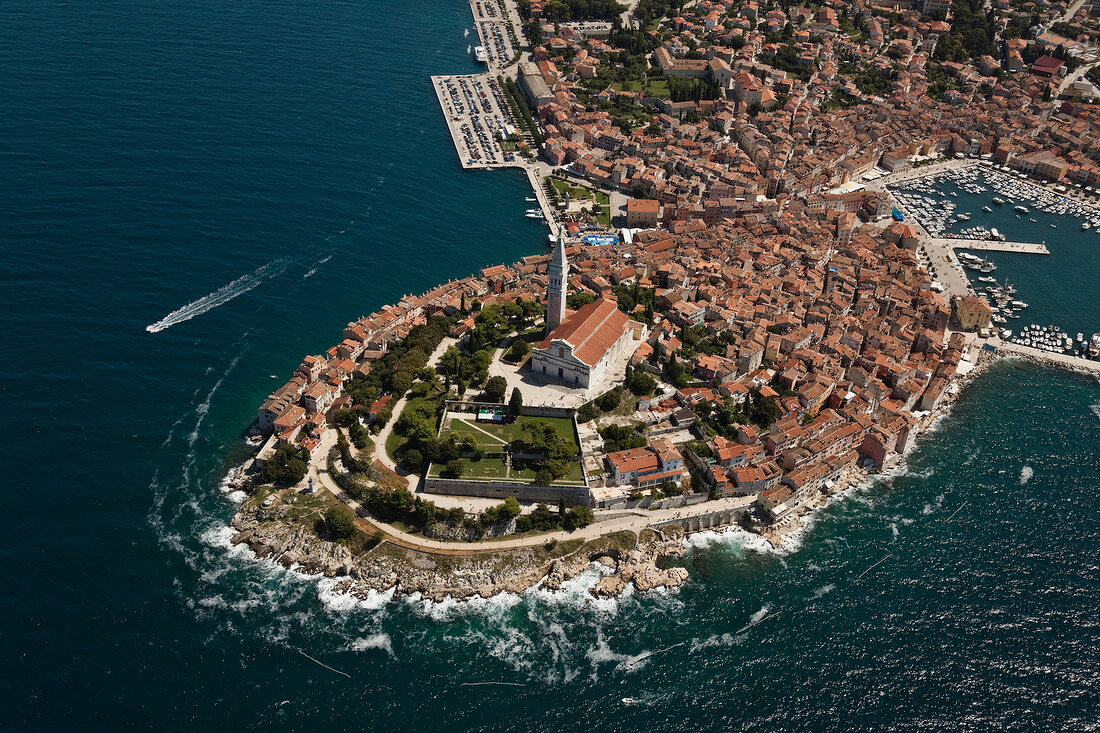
197 194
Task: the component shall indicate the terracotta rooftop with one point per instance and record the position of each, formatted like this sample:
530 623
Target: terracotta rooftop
591 331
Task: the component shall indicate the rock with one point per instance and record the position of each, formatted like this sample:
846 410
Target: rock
610 587
606 561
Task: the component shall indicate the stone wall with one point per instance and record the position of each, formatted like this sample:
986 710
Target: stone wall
572 494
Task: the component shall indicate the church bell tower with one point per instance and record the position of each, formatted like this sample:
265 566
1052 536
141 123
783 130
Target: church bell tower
555 288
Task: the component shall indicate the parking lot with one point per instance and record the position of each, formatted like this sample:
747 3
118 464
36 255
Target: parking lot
492 28
476 115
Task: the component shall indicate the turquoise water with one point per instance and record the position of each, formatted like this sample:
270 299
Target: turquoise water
156 153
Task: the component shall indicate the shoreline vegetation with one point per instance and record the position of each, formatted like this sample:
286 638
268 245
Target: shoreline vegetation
791 350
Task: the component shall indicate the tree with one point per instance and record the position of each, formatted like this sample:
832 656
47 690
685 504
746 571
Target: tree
579 516
515 403
455 468
495 389
519 351
412 459
286 467
340 522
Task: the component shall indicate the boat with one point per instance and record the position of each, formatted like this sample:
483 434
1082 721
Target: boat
1022 209
985 279
998 200
480 54
1085 226
1053 226
986 208
532 215
530 199
535 211
629 700
1033 221
1019 304
273 376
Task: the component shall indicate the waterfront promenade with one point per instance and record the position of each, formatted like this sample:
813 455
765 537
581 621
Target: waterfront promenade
992 245
1067 361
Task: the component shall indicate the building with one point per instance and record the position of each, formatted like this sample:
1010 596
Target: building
653 465
972 313
558 279
642 213
534 86
580 350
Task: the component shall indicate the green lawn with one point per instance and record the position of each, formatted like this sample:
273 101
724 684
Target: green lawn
394 441
511 432
492 467
575 192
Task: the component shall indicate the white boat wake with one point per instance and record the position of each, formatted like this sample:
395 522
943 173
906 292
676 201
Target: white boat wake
220 296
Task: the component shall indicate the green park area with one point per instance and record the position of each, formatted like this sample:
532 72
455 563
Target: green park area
543 450
657 87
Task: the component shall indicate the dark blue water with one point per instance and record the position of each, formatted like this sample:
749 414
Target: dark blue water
1060 288
154 154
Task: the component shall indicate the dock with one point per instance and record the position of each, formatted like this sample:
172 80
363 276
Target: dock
992 245
1066 361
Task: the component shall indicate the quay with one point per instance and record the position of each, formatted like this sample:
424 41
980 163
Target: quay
1066 361
992 245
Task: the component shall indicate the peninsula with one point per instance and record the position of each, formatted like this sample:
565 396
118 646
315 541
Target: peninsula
736 319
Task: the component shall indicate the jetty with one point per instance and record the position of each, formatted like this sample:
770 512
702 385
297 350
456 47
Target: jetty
992 245
1066 361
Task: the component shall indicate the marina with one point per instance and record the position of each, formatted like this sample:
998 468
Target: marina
1038 304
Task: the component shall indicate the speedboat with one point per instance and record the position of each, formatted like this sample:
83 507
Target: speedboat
986 208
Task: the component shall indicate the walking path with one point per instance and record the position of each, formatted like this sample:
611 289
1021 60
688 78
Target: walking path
383 435
992 245
1066 360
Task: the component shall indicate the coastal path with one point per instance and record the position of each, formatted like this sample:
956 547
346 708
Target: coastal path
632 522
384 434
1076 363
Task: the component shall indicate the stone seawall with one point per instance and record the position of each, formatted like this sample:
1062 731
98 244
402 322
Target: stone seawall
575 494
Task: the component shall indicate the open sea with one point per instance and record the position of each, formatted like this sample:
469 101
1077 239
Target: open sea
246 177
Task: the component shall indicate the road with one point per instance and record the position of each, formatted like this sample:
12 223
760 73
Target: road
635 522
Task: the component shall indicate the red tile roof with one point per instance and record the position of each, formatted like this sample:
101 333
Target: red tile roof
591 331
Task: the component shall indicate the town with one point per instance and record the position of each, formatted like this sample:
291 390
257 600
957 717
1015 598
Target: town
737 328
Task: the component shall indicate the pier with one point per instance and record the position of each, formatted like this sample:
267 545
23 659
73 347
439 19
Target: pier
1054 358
992 245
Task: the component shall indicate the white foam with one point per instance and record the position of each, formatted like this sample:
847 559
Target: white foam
450 609
374 641
823 590
1025 474
602 653
344 601
222 295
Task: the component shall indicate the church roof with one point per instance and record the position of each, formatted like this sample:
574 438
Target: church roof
591 331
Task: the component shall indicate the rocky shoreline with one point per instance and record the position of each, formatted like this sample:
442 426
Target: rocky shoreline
379 566
270 529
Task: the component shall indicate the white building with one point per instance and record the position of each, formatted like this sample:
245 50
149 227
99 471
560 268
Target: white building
580 345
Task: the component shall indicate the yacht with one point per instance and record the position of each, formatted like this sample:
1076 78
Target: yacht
1022 209
530 199
986 208
1085 226
998 200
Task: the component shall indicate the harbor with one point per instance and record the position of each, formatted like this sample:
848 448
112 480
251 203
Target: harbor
1043 306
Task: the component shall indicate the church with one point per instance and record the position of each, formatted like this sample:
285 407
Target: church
580 346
